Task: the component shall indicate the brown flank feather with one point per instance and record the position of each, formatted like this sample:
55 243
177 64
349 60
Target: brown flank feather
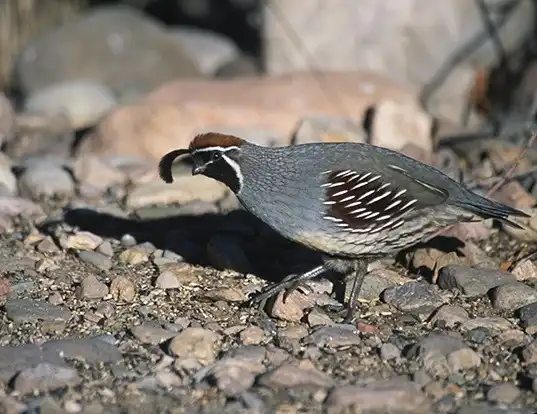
214 139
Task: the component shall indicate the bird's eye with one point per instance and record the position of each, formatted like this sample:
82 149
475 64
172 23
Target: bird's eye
216 156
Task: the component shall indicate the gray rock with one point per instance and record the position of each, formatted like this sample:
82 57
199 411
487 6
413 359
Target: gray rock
252 335
376 282
99 260
321 128
472 282
195 343
443 355
45 179
489 409
7 118
84 102
492 323
416 297
167 280
236 371
334 336
234 376
14 359
394 395
449 316
92 350
7 178
512 296
291 375
348 37
91 288
505 393
151 333
45 377
389 351
528 317
317 317
28 310
207 49
529 352
122 289
112 39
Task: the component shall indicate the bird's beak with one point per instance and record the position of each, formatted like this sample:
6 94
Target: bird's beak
198 169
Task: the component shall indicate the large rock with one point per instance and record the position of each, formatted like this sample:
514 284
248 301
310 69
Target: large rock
169 117
407 40
116 46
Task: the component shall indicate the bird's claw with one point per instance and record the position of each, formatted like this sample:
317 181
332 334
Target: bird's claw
273 290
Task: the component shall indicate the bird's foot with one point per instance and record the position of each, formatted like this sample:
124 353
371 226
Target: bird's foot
288 286
342 311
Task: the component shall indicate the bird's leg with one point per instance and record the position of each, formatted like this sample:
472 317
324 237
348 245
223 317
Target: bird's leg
290 282
360 269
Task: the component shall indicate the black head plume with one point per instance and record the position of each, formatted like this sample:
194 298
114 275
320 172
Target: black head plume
165 164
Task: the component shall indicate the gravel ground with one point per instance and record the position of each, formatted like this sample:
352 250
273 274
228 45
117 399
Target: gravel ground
99 317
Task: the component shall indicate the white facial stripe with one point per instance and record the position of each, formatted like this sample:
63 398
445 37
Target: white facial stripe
236 168
221 149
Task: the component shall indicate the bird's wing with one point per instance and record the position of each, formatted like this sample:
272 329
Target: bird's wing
369 202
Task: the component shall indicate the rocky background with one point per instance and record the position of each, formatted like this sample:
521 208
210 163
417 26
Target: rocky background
122 294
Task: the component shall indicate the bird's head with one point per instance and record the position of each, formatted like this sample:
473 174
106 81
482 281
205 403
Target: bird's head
213 155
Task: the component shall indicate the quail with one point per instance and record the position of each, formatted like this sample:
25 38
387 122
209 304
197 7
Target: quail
352 202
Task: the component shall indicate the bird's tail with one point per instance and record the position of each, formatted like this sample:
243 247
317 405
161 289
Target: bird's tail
486 209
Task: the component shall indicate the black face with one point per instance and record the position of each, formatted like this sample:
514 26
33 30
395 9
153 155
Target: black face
220 165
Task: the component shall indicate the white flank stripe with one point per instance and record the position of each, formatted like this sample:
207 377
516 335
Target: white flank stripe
358 210
408 204
399 194
353 204
343 173
363 177
339 193
392 205
349 198
364 195
382 218
380 197
359 185
332 219
376 177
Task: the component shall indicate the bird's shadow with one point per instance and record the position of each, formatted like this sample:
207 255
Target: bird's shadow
269 255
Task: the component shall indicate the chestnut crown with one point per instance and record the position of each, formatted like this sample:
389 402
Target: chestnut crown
214 155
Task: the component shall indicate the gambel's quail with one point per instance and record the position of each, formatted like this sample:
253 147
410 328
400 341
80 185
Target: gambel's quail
352 202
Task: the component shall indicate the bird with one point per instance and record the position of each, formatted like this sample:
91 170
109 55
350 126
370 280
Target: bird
351 202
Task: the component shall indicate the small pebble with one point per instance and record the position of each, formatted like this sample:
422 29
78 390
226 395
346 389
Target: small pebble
106 248
99 260
389 351
505 393
167 280
195 343
122 289
416 297
128 240
151 333
91 288
472 282
512 296
449 316
253 335
55 299
45 377
82 240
